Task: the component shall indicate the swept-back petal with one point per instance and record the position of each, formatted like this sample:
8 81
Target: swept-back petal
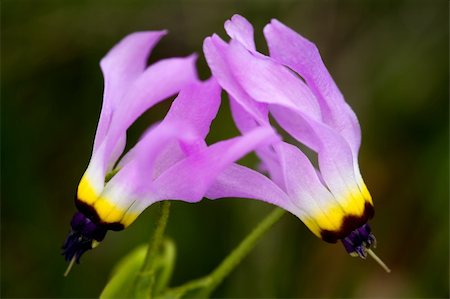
329 215
270 82
190 178
215 50
121 66
317 206
242 182
158 82
336 160
301 55
245 123
120 201
296 110
240 29
196 105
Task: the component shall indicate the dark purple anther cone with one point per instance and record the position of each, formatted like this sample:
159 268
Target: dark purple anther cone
359 240
81 237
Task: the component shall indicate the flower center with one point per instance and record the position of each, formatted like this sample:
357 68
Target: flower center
359 241
83 236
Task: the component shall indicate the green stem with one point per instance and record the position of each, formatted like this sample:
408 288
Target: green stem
164 266
145 277
207 284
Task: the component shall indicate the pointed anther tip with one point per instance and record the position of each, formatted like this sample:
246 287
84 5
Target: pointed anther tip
378 260
69 267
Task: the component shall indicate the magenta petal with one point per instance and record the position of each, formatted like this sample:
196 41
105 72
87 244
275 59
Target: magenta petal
301 55
242 182
270 82
120 67
245 123
117 152
297 111
158 82
240 29
128 193
296 126
190 178
300 176
136 174
337 164
215 50
196 105
194 108
312 199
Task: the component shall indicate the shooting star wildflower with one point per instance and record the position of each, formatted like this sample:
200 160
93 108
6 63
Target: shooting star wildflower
170 162
294 85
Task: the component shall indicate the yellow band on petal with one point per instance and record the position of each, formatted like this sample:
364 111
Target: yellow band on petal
365 193
336 218
109 212
86 192
353 202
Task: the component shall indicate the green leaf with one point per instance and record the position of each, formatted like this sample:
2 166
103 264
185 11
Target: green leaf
124 274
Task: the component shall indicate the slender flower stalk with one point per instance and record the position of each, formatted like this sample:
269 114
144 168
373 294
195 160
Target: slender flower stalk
145 277
242 250
294 86
203 287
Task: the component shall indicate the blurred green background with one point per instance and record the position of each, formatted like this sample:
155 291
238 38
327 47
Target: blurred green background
389 59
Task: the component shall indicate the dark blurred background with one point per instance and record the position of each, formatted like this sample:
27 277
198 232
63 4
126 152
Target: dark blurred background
389 59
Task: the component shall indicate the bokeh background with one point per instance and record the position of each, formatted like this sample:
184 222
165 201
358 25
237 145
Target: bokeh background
389 58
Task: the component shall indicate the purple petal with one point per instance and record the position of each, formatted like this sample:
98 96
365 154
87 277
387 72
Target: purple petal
187 123
117 152
242 182
294 109
312 199
128 193
245 123
137 172
120 67
190 178
299 54
270 82
197 105
240 29
215 50
158 82
296 126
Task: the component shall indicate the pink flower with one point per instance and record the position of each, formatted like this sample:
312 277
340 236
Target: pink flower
294 85
170 162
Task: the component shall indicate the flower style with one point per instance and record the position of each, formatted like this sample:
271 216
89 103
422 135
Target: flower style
171 160
295 87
